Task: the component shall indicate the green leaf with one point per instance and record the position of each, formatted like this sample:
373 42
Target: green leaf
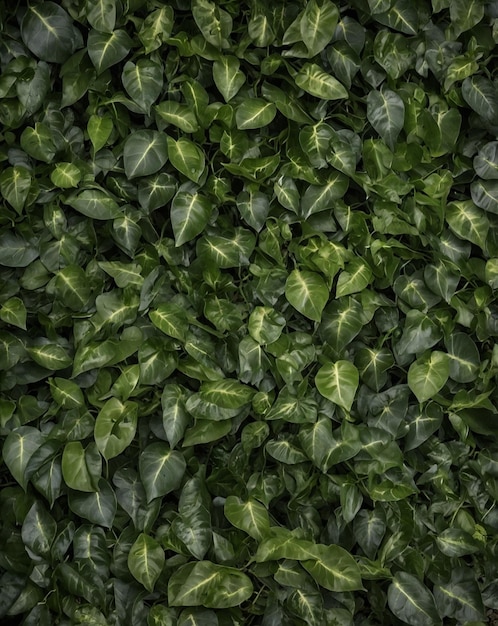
456 542
15 251
485 195
170 318
50 355
460 597
19 446
14 312
208 584
338 382
307 292
115 427
250 516
38 142
101 15
66 393
161 470
486 161
318 83
178 114
38 530
468 222
317 25
411 601
227 393
386 113
334 568
464 358
72 288
65 175
156 28
146 561
354 278
254 113
81 467
428 375
190 213
143 82
227 76
99 130
214 23
49 33
98 507
107 49
227 251
145 152
319 198
15 183
94 203
186 157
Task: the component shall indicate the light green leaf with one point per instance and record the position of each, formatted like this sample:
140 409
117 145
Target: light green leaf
214 23
156 28
145 152
428 375
186 157
161 469
227 76
14 312
250 516
146 561
334 568
386 113
190 213
180 115
338 382
411 601
318 24
65 175
226 394
319 198
318 83
99 128
95 204
171 319
15 183
107 49
81 467
72 288
50 355
468 221
115 427
66 393
307 292
354 278
208 584
265 324
254 113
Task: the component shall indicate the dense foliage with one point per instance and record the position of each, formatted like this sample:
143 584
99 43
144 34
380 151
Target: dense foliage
249 254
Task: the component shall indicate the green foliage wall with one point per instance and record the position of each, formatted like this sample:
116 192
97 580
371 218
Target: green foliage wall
248 313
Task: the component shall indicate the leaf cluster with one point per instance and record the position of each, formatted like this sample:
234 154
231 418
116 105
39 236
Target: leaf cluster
248 313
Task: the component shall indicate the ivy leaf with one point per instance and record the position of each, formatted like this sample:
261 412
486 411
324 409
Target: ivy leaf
190 213
146 560
428 374
338 382
145 152
307 292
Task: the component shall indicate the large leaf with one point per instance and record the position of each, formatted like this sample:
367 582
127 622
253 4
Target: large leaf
227 76
307 292
318 83
386 113
115 427
107 49
49 32
145 152
146 560
186 157
428 374
143 82
161 469
411 601
338 382
250 516
190 213
210 585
